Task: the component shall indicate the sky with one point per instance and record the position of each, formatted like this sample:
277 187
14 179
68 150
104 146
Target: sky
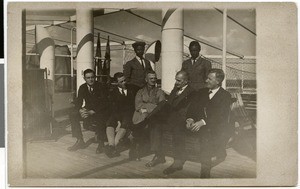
204 24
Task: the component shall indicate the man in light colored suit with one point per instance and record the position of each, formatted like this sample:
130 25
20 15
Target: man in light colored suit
135 70
146 100
196 67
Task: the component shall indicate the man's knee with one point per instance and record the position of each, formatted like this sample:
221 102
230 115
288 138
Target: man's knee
74 115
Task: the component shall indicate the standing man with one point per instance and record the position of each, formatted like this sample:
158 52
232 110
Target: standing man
178 103
93 113
208 115
196 67
146 101
122 108
135 70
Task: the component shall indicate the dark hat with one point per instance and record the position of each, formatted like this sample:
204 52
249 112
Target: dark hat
138 43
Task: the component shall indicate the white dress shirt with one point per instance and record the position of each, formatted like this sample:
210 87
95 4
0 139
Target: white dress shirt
193 61
125 91
140 61
181 90
213 92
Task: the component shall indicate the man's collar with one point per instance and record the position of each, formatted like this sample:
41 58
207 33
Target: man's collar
214 90
90 85
138 58
182 89
196 58
120 89
149 87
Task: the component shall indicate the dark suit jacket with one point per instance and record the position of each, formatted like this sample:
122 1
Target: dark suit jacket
177 107
135 73
121 103
97 100
197 72
214 112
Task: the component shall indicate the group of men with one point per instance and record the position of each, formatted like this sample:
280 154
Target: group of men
197 104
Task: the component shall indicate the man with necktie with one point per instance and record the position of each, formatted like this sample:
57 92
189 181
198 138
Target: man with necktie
135 70
197 67
94 112
122 108
208 116
175 114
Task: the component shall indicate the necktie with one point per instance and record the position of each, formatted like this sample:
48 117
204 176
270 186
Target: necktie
91 89
142 63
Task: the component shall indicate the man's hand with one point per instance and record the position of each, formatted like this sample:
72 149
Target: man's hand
189 123
91 112
196 126
143 110
84 113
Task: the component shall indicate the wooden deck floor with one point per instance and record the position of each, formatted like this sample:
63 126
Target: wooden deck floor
51 159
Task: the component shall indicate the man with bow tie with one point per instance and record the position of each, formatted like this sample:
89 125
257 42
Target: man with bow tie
122 108
208 116
197 67
94 112
135 70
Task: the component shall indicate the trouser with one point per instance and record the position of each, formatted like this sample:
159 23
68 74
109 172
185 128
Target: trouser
97 119
156 138
178 143
140 133
212 144
125 118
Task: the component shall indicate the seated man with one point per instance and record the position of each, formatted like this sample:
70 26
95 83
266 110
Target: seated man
122 108
208 116
178 103
146 100
94 112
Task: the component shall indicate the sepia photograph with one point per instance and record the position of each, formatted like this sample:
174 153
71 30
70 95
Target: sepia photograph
133 94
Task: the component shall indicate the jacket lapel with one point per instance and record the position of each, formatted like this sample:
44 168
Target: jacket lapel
216 96
198 62
184 94
137 63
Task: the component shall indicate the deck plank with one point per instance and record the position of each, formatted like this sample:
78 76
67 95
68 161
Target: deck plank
50 159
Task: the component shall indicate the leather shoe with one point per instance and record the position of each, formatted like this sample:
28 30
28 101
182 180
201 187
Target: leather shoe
217 160
78 145
172 169
99 149
156 160
205 171
111 152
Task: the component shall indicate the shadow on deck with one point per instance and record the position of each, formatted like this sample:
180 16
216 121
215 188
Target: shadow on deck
50 159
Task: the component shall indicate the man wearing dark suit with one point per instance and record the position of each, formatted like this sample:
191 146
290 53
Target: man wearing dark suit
122 108
94 112
177 105
196 67
208 116
135 70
